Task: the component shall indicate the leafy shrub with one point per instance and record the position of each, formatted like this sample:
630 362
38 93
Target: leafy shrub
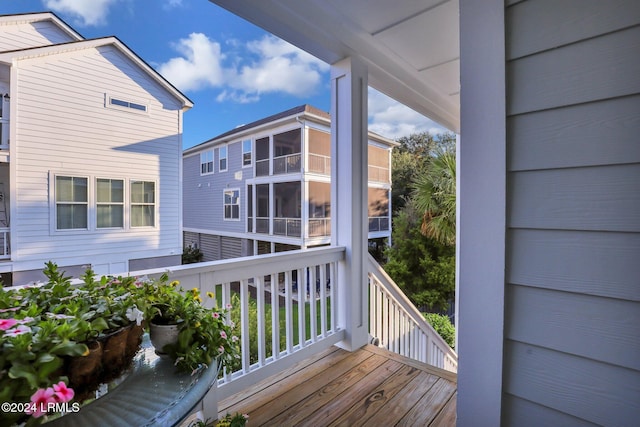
191 255
443 327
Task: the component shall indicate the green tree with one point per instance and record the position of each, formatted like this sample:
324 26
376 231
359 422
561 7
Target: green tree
435 197
410 160
443 326
423 267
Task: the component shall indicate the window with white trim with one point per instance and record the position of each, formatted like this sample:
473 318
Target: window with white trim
232 204
246 152
72 202
206 162
109 203
143 203
222 153
122 104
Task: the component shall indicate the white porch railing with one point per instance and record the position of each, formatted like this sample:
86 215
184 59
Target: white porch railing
285 306
262 167
5 251
278 322
287 227
320 164
378 223
319 227
286 164
400 327
378 174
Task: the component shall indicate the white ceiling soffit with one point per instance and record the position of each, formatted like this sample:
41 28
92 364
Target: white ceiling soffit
410 46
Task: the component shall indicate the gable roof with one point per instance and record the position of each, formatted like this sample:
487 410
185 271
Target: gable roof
26 18
8 57
305 111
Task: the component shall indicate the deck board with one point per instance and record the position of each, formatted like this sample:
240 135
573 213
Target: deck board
370 386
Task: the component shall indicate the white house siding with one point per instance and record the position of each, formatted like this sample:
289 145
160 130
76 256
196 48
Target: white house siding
572 309
20 35
65 128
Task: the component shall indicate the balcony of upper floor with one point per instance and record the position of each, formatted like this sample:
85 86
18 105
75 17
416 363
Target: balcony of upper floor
309 151
302 210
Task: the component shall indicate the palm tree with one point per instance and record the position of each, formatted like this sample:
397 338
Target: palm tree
435 196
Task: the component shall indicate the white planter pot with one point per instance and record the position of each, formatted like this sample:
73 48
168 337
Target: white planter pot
161 335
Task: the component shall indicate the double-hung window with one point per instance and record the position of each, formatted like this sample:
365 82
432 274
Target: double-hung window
143 203
232 204
109 203
222 152
246 152
206 162
71 202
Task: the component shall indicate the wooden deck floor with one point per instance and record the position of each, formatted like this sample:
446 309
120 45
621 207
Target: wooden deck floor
368 387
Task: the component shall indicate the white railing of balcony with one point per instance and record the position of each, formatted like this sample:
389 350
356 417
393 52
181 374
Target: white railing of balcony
286 164
378 223
273 307
5 251
400 327
262 167
287 227
319 164
262 224
378 174
319 227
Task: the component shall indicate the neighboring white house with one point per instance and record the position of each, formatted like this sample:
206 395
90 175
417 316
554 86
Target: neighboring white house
266 186
545 95
90 153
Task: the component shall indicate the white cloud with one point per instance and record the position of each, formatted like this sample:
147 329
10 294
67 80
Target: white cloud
389 118
199 67
169 4
248 71
85 13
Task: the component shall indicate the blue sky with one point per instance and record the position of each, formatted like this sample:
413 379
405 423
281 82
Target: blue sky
233 71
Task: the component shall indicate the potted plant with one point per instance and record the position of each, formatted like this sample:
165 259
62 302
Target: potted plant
51 340
202 334
235 420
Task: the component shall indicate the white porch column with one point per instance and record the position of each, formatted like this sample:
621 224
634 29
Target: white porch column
349 194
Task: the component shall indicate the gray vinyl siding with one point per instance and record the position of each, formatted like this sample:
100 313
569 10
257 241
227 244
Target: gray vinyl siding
230 247
210 246
216 247
203 194
572 305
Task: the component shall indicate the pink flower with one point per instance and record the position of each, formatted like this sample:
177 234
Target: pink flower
7 323
41 399
221 349
223 334
216 315
63 393
229 306
19 330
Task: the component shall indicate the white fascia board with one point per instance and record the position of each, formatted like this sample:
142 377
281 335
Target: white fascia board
30 53
39 17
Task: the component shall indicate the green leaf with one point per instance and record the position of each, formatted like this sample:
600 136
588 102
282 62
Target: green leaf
48 368
99 324
70 348
19 370
44 358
